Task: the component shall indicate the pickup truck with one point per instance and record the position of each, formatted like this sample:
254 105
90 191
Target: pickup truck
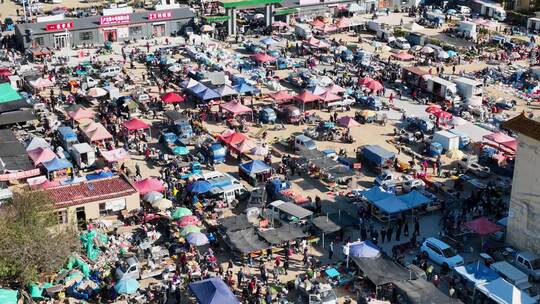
469 163
130 269
389 180
340 104
529 263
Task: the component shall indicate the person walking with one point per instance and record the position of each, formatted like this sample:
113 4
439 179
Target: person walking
416 231
286 266
389 232
383 235
331 250
138 170
405 229
398 232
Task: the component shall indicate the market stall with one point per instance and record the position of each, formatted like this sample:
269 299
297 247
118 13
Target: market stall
255 172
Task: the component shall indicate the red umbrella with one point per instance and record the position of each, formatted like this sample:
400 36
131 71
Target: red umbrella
365 81
433 109
375 86
171 98
189 220
262 57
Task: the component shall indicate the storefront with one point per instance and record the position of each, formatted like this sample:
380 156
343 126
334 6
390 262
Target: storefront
100 29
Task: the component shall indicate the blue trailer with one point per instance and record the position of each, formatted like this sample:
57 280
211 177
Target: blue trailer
375 157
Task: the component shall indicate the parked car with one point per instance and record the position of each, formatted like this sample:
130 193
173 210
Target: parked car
441 253
506 105
529 263
289 114
401 43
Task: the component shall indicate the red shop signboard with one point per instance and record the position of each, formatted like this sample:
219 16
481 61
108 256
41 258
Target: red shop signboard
160 15
116 19
59 26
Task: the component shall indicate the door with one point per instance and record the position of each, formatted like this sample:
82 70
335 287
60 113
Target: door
159 30
81 216
61 41
109 35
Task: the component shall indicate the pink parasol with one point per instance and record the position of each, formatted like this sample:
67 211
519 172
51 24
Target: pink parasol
375 86
148 185
365 81
262 58
348 122
189 220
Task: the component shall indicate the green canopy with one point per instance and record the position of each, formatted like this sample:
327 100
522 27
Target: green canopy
181 212
8 93
189 229
8 296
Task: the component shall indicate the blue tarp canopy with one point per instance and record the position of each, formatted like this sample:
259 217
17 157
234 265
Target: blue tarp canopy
200 186
414 199
67 133
57 164
504 292
363 249
477 273
208 94
102 174
254 167
391 205
197 88
212 291
244 88
375 194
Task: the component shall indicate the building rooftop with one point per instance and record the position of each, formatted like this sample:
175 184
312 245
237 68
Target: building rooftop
93 21
523 125
91 191
13 155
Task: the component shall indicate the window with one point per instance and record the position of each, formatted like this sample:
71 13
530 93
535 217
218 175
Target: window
62 217
135 30
112 207
86 36
434 249
39 40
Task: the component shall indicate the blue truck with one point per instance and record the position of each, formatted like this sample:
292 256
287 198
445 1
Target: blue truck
212 152
375 157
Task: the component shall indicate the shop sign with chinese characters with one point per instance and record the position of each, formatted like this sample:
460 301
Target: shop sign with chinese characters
116 19
160 15
59 26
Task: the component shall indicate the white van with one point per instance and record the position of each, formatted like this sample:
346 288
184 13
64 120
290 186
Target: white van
228 193
385 35
110 71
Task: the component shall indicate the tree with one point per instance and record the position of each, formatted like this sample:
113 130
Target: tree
30 243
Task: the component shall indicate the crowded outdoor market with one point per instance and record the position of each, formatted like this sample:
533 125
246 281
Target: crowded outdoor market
276 152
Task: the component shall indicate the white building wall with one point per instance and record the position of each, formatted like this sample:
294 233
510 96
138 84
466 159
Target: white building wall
523 229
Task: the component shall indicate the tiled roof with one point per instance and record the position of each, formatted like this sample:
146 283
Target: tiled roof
523 125
86 192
